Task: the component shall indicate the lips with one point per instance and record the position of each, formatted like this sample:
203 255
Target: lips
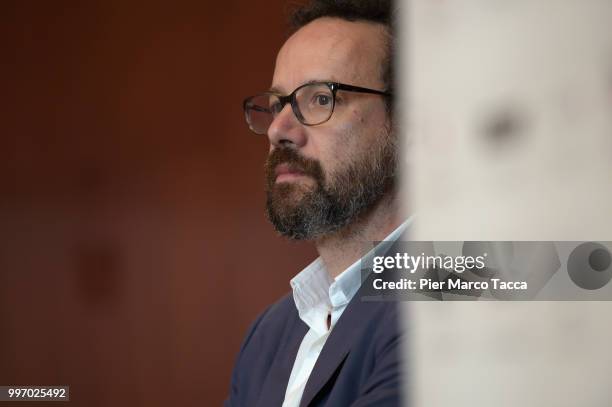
285 172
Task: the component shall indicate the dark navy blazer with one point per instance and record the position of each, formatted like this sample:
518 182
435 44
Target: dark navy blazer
359 364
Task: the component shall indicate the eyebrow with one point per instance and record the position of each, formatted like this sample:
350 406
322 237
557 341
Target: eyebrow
274 89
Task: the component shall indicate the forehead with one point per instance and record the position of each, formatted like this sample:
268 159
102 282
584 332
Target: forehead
332 49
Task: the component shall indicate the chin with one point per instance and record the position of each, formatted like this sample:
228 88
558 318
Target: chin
290 190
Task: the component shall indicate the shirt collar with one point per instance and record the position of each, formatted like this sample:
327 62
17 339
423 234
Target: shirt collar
314 291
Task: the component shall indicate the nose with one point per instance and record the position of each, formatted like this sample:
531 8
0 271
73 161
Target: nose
285 130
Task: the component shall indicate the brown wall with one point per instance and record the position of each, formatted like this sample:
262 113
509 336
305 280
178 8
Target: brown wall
134 249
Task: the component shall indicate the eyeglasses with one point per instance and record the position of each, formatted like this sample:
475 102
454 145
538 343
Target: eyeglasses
312 103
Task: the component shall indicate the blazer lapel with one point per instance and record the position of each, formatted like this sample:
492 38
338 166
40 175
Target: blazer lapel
337 347
275 383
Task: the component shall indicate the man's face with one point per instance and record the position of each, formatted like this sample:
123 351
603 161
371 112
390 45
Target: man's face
321 178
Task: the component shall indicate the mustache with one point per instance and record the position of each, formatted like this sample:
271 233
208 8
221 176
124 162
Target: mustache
286 155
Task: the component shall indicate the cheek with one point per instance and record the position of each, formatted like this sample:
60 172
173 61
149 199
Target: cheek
348 139
357 135
357 116
342 147
371 125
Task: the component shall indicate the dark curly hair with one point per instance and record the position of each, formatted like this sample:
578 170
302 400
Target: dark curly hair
376 11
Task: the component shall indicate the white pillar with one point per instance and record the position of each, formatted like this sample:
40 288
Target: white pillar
509 122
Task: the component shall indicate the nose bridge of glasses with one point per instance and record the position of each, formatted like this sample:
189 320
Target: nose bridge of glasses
292 101
278 106
283 100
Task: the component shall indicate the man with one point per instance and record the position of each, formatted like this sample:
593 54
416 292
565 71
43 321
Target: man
331 178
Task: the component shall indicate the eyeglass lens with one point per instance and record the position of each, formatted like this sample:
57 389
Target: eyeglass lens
314 102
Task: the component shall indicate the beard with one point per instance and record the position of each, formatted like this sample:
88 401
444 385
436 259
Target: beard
306 212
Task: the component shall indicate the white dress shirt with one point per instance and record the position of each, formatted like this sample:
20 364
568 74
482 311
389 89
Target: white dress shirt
317 296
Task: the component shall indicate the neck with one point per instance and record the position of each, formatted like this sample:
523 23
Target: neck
344 247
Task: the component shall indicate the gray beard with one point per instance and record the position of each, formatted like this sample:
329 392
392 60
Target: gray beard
329 207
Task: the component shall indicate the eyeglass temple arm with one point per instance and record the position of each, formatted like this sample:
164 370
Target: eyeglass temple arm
257 108
352 88
248 105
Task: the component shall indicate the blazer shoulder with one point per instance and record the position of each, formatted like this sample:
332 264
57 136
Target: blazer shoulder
278 313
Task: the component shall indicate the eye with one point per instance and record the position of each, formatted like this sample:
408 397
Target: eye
322 100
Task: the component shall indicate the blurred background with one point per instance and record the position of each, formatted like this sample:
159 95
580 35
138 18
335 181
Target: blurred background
134 248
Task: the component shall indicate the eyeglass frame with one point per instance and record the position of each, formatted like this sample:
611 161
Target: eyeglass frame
334 87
